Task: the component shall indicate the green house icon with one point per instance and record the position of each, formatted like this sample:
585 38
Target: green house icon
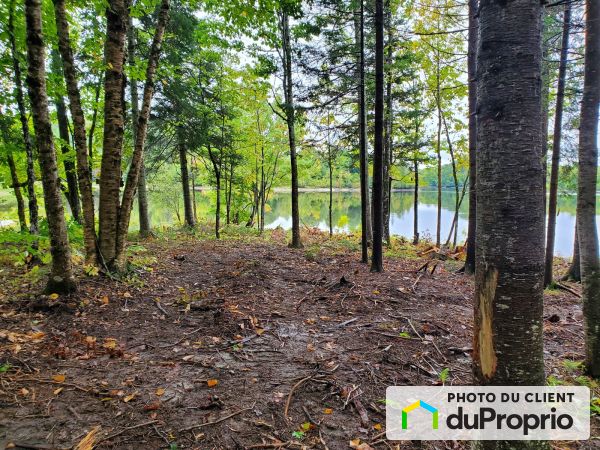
425 406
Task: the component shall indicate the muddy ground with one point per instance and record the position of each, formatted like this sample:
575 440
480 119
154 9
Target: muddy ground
212 343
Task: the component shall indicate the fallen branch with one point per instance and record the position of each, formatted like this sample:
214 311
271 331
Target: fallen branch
161 309
568 289
362 412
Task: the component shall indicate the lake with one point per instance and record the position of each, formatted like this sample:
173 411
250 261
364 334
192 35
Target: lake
167 209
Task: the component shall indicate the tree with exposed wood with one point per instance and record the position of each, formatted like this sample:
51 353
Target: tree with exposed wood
61 276
586 191
508 319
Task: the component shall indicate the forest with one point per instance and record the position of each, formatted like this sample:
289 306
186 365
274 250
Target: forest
233 225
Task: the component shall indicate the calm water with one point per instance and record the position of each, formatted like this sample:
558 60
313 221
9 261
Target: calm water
167 209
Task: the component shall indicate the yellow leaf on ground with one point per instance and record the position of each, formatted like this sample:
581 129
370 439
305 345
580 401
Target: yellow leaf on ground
58 391
87 443
377 426
327 411
129 397
110 343
212 382
160 391
37 335
260 331
59 378
53 296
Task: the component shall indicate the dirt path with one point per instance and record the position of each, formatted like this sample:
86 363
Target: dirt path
210 348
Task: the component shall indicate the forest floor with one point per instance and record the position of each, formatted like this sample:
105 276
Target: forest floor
243 343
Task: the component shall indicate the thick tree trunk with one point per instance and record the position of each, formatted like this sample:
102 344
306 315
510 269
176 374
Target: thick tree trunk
377 256
61 276
560 99
416 203
185 184
114 123
472 74
290 115
365 204
586 192
84 174
32 198
507 347
133 87
140 137
14 178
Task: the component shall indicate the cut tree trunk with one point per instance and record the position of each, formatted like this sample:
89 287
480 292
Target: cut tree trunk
586 192
84 174
61 275
508 331
377 256
32 198
560 100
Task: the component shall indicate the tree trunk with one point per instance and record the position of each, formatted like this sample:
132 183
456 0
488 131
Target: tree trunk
14 177
365 206
472 75
32 199
218 206
560 99
438 151
290 115
72 193
114 123
330 164
416 203
61 276
185 184
388 117
133 86
508 331
456 189
377 256
263 187
586 192
140 137
574 272
94 120
194 206
229 189
84 174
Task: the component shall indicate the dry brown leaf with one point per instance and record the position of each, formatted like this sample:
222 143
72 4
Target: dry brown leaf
129 397
87 443
160 391
104 300
58 391
260 331
59 378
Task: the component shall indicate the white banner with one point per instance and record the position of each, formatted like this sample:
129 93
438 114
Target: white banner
487 413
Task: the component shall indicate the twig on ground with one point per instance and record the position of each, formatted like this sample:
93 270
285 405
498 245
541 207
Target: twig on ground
222 419
362 412
323 441
347 322
289 399
133 427
161 309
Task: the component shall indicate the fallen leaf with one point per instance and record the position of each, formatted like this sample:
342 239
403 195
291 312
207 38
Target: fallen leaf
328 411
152 406
104 300
377 426
260 331
129 397
58 391
24 392
59 378
310 348
53 296
110 343
212 382
126 295
159 392
38 335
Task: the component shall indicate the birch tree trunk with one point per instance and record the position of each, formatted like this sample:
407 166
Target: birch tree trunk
61 276
83 164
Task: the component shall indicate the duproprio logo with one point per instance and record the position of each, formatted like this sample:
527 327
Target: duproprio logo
425 406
